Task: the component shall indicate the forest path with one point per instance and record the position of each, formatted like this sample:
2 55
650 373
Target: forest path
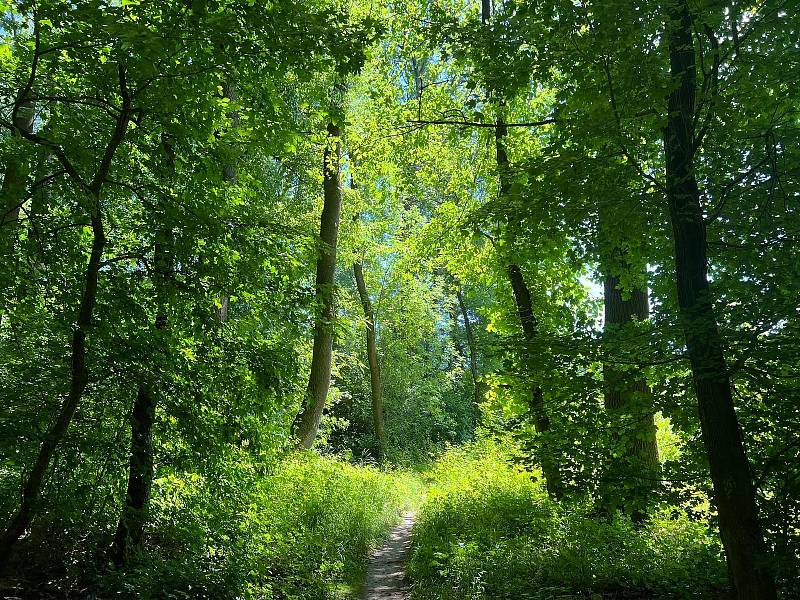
386 575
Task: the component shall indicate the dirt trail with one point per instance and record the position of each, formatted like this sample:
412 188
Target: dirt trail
386 576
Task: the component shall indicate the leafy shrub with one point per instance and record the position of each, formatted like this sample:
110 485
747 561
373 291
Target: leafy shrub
488 530
302 532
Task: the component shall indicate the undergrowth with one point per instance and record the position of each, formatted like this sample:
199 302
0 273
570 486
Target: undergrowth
303 532
488 530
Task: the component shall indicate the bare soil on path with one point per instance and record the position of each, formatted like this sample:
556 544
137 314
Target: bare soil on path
386 575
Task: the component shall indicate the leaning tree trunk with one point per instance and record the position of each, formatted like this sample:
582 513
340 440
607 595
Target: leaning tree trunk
550 468
320 376
32 488
372 359
635 474
130 529
522 297
749 560
79 373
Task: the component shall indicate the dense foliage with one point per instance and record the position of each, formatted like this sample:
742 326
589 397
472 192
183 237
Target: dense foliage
488 530
234 228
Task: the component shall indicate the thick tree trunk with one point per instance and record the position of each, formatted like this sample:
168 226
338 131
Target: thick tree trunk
320 376
32 488
473 350
130 529
15 178
734 496
372 359
550 468
635 475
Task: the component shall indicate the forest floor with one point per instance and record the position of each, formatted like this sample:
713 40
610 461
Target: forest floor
386 574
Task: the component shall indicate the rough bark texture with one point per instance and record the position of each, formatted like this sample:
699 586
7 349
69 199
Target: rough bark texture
522 297
130 529
628 398
734 495
372 358
472 347
320 377
15 177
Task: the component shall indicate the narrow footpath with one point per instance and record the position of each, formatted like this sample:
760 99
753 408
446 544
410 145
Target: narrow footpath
386 576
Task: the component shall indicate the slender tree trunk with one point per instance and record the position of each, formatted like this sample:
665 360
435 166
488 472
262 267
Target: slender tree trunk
522 297
550 469
79 374
473 350
15 177
320 376
130 529
372 358
749 560
229 175
635 475
32 488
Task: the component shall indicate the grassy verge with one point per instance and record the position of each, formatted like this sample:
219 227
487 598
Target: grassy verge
488 530
303 532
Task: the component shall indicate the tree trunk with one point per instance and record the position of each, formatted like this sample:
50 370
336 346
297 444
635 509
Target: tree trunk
15 178
229 175
734 496
130 529
79 374
372 358
550 469
522 297
320 376
32 488
629 400
473 350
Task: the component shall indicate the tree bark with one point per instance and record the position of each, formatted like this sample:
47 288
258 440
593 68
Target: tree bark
130 529
550 468
32 488
472 348
79 374
372 358
628 398
320 376
749 560
15 177
230 175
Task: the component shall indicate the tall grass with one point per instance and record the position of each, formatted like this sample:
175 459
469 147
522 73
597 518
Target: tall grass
488 530
302 532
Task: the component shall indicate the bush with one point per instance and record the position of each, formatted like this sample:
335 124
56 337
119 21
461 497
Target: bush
488 530
303 532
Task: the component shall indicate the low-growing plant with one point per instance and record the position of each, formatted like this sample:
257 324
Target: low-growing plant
303 532
488 530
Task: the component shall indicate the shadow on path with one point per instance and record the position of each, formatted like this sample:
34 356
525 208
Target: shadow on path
386 575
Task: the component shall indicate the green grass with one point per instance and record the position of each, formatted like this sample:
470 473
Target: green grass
488 530
303 532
